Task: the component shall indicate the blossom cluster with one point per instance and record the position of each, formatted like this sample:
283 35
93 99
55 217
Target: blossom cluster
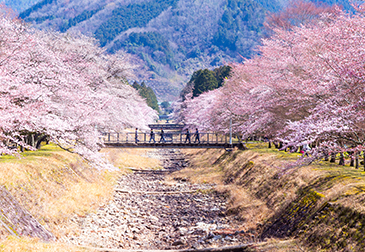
307 85
63 87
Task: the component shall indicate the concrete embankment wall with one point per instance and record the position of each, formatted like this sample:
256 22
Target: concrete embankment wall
320 206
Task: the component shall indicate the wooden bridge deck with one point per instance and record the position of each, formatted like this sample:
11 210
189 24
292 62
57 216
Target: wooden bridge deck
172 140
172 145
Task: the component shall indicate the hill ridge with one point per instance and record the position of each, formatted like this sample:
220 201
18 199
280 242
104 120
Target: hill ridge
199 34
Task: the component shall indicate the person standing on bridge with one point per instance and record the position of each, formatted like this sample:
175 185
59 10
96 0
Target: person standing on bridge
197 137
136 135
162 139
187 136
152 136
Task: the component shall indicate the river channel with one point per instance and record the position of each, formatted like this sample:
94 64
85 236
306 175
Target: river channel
149 213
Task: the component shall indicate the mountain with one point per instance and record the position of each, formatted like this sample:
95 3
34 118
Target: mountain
19 5
172 38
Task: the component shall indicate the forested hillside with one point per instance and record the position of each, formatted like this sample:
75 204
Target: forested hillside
19 5
173 38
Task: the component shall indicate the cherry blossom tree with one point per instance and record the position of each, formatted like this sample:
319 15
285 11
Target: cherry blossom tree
63 87
198 112
306 86
314 81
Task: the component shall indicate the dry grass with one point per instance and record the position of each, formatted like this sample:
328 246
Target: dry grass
13 244
280 246
258 186
226 170
133 158
54 185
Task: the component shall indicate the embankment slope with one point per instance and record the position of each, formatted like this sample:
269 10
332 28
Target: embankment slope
315 207
42 191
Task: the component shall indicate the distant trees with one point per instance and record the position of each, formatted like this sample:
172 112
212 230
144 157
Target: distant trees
240 19
298 12
193 33
132 15
166 107
153 43
35 7
86 14
148 94
205 80
222 73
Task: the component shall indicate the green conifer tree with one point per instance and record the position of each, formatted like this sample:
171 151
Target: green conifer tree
205 80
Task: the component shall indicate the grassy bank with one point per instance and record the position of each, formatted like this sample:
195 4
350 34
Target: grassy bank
316 207
54 185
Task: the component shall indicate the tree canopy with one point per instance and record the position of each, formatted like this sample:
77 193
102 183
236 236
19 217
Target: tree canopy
305 87
204 80
129 16
63 87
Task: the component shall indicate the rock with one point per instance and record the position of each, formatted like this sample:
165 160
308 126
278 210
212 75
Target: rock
159 219
177 243
183 230
210 235
217 237
154 218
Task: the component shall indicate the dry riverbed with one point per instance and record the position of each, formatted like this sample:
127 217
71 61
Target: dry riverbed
148 212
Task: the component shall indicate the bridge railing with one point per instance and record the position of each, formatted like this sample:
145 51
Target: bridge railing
170 137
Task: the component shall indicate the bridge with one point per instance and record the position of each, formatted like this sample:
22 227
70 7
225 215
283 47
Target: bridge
172 140
170 126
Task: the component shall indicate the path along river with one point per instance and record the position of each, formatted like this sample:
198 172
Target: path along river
147 213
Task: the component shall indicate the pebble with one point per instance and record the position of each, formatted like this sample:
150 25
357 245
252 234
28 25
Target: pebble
151 219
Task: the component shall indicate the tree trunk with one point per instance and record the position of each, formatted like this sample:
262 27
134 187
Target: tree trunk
21 146
352 162
356 160
333 158
276 145
39 141
31 140
269 144
280 145
326 156
342 159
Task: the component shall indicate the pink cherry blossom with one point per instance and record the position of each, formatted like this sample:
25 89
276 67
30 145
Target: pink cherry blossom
64 87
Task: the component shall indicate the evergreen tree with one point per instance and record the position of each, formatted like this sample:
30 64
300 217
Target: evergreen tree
221 73
205 80
148 94
136 85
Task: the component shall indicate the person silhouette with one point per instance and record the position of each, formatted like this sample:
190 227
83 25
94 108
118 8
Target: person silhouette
187 136
197 137
152 136
136 135
162 134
